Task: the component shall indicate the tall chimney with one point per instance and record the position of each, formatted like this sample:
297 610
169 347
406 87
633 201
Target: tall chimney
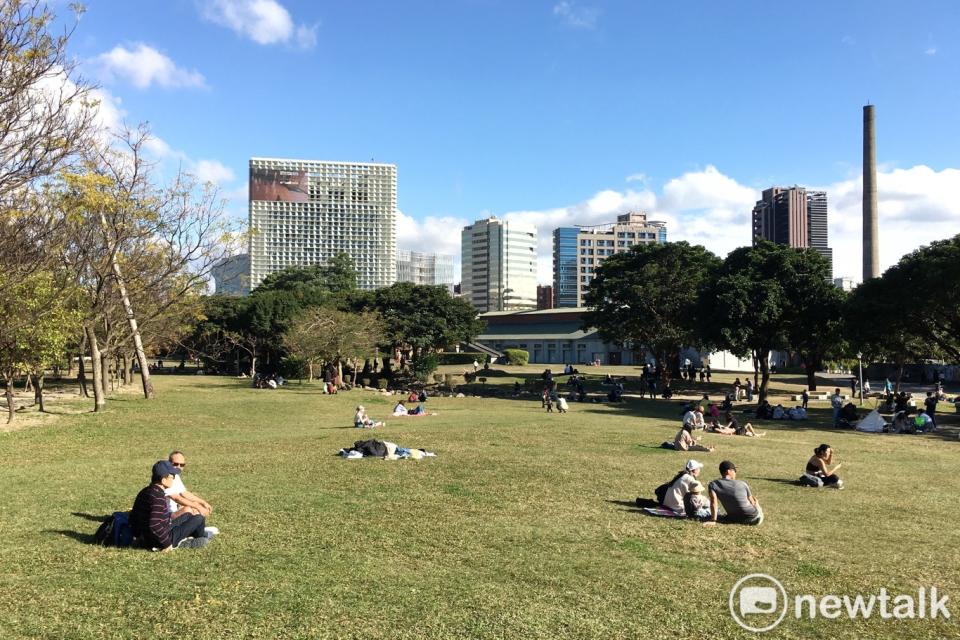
871 239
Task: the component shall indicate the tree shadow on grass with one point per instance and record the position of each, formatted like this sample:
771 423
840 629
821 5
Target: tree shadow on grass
91 517
792 482
79 536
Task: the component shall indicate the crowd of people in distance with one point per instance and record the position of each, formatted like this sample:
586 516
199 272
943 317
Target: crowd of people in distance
166 515
267 381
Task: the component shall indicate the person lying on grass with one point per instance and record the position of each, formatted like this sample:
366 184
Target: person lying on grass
400 411
733 428
150 517
362 421
738 502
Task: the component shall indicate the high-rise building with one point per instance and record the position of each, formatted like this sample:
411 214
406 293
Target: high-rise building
231 276
794 217
544 297
499 265
305 212
844 284
425 268
578 251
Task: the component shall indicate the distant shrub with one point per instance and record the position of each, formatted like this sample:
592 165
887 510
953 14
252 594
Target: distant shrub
423 366
517 357
365 382
438 378
381 383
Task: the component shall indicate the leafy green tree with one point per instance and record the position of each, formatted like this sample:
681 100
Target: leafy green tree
816 327
649 296
421 317
758 298
40 317
313 283
320 334
928 281
878 323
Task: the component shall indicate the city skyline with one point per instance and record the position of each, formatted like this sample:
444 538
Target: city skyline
571 120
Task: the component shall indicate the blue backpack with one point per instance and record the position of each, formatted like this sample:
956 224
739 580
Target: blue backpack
115 531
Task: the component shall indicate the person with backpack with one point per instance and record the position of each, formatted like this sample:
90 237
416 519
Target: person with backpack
150 517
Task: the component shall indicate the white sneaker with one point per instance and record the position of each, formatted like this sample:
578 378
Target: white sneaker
210 531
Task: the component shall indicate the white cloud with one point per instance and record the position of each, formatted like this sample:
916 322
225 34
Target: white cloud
433 234
637 177
931 51
573 15
263 21
212 171
144 66
915 206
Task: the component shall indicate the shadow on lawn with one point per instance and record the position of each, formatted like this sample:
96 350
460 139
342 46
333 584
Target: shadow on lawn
635 506
79 536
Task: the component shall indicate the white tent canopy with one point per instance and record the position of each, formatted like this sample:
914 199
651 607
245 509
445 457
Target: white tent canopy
872 423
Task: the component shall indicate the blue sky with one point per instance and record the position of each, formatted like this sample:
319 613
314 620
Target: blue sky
557 112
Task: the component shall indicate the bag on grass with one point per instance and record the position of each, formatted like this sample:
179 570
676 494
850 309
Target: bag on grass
115 531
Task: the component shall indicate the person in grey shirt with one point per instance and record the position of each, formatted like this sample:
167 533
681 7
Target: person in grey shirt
738 502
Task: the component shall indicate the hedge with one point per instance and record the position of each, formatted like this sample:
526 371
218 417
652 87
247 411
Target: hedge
519 357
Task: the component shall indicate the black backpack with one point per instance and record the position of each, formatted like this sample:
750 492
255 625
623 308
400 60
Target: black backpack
661 491
115 531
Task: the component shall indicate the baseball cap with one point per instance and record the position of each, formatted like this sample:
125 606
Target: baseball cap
725 466
693 464
164 468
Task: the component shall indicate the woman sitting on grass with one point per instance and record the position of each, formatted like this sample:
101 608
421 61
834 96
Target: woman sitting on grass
686 442
400 411
817 466
362 421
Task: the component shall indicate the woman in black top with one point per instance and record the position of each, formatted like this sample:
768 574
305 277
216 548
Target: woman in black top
817 466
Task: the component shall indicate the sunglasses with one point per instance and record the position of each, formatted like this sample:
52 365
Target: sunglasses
179 464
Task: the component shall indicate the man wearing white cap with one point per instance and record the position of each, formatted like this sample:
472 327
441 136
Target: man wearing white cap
683 485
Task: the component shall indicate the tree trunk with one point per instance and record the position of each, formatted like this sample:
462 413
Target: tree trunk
899 374
811 374
253 365
99 399
105 373
9 395
28 384
355 363
764 376
82 369
38 390
309 370
131 318
756 370
339 381
122 366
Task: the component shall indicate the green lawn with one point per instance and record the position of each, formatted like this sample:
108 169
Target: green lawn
521 527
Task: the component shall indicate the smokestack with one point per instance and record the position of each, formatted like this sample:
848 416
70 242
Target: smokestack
871 234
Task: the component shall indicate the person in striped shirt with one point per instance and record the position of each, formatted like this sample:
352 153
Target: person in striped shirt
150 516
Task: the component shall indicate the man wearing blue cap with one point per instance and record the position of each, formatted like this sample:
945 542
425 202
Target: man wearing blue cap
150 516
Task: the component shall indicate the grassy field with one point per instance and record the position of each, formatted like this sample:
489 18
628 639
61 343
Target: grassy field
523 526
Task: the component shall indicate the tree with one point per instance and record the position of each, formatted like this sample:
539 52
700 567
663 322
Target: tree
421 316
878 324
816 327
755 296
929 281
648 297
338 276
48 317
329 335
137 237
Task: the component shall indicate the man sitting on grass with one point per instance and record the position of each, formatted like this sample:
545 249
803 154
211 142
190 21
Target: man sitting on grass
735 496
181 500
150 517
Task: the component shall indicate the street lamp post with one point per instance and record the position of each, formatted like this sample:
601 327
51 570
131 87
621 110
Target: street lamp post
860 363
